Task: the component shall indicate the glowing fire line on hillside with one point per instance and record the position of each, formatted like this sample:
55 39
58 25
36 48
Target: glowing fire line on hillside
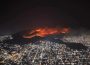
42 32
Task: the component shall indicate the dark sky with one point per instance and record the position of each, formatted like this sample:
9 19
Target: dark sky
20 15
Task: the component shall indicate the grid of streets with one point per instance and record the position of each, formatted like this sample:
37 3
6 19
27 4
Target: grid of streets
42 53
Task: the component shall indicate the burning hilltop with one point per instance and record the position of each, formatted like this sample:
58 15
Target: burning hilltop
42 32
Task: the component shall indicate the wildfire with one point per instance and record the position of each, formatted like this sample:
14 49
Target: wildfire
42 32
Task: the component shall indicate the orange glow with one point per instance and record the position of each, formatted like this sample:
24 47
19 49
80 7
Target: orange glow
42 32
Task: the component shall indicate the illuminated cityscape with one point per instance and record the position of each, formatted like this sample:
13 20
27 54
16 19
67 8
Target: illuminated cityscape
42 52
43 32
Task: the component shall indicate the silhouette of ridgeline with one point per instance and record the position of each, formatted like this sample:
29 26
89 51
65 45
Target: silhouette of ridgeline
57 38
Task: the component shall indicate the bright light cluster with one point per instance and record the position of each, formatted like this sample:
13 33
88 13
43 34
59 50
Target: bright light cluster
43 53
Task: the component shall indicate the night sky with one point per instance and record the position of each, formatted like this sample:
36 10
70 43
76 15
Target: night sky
21 15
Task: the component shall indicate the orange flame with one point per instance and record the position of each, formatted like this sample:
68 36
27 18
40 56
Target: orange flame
42 32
